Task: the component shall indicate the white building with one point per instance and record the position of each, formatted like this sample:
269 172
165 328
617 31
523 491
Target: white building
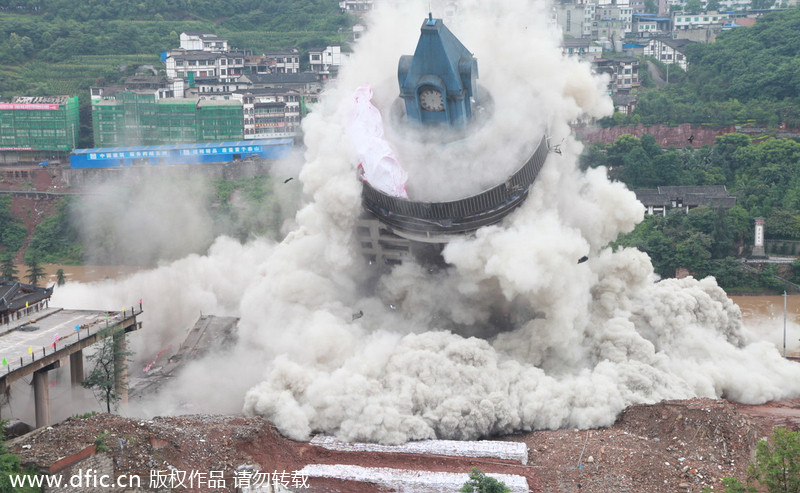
196 65
327 60
270 112
683 21
667 50
574 20
286 61
197 41
583 48
356 6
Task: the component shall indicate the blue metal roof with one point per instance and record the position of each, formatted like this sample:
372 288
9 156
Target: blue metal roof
173 147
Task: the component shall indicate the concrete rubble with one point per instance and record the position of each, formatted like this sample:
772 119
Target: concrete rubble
515 451
671 446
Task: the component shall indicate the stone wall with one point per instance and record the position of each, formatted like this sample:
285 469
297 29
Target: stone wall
678 135
86 178
666 136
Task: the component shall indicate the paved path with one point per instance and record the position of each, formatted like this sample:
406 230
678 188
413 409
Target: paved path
33 336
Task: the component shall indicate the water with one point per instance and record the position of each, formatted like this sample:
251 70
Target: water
764 316
80 273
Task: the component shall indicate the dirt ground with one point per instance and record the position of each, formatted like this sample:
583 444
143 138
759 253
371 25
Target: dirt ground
672 446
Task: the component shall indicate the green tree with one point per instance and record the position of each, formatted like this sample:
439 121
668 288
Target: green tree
776 468
481 483
34 272
110 360
9 269
61 279
12 230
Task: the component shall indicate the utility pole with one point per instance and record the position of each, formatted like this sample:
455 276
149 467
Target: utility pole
784 324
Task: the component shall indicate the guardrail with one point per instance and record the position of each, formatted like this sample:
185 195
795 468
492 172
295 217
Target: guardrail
458 216
81 333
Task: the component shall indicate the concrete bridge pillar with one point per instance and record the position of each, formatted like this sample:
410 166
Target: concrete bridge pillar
76 374
121 366
41 394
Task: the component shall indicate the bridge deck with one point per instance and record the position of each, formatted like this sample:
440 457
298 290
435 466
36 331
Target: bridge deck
42 338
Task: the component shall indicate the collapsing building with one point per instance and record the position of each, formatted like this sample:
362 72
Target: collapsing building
439 92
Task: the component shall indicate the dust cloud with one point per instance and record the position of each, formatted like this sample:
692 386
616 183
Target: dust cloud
516 335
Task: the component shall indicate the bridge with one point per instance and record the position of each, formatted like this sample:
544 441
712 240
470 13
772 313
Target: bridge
42 340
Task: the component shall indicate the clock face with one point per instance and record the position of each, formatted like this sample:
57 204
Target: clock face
431 100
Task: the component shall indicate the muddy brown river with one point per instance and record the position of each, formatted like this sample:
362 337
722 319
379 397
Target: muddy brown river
762 314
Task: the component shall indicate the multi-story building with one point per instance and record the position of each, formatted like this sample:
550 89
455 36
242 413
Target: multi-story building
667 50
270 112
326 61
574 20
307 83
198 41
34 126
285 61
584 48
139 118
204 65
623 72
647 25
683 21
160 86
356 6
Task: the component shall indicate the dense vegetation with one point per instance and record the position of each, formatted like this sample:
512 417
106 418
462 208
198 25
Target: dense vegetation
748 75
10 465
765 176
12 230
776 468
55 240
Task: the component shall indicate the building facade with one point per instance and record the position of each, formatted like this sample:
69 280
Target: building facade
203 42
142 119
623 72
270 113
328 60
667 50
46 123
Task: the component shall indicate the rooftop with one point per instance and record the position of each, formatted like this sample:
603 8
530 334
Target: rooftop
40 99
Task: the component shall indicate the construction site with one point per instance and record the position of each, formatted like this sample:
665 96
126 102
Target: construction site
521 341
677 446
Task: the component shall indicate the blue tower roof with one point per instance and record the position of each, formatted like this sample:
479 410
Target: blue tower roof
443 64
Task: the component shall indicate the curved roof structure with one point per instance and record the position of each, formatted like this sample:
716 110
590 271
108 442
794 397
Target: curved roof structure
435 222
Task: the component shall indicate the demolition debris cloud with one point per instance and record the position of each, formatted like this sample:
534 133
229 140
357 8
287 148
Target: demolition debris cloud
427 357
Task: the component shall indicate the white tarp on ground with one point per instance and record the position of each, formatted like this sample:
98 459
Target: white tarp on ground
376 158
517 451
407 481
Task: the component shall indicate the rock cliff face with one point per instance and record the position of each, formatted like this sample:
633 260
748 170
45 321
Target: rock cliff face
679 135
666 136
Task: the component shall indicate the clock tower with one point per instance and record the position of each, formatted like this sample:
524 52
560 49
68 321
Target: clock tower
438 84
